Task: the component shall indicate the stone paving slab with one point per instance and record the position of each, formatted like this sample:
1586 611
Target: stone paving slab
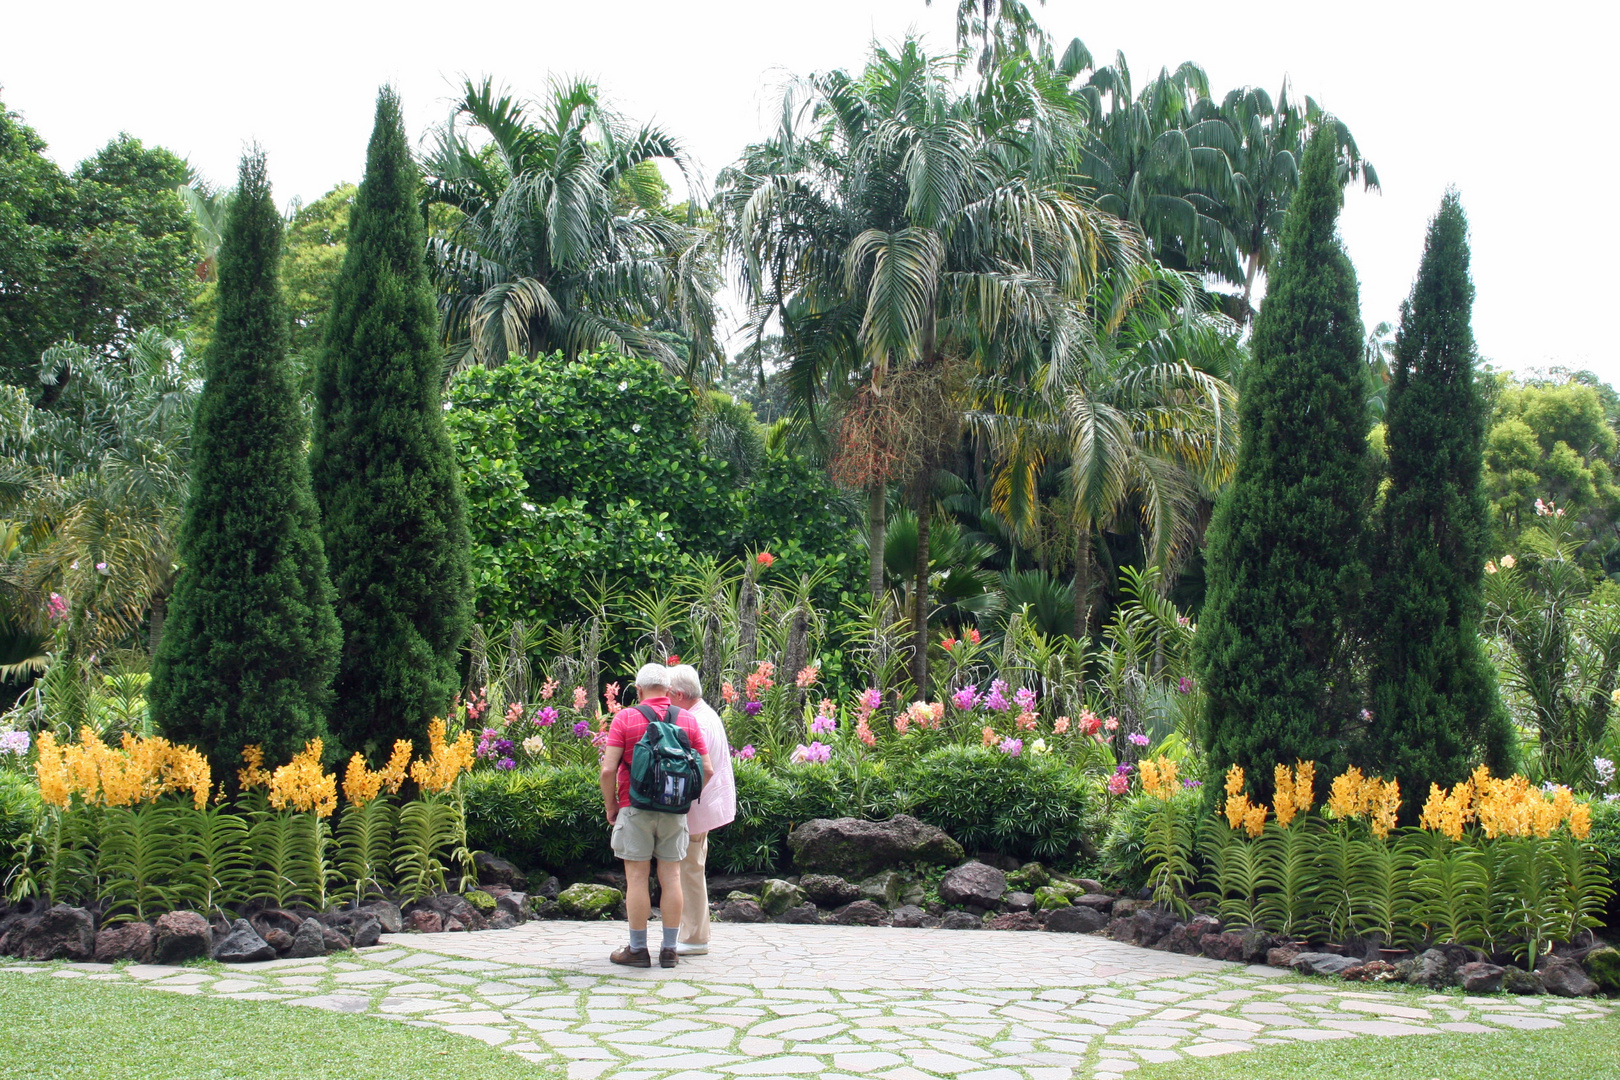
837 957
839 1003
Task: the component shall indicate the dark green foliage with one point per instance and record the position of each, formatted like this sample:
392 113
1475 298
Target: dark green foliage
393 515
1435 708
538 817
1031 807
1034 806
1283 566
93 256
19 810
251 642
598 466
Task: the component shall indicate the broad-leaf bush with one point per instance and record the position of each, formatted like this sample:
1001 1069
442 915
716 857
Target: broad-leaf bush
598 466
551 818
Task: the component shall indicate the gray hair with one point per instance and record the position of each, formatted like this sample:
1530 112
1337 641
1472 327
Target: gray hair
683 679
652 676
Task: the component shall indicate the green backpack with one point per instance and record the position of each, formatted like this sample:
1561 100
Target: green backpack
666 774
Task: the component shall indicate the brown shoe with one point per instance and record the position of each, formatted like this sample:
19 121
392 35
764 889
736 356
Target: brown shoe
632 957
667 958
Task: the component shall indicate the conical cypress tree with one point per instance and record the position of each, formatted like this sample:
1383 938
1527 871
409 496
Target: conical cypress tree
384 470
1435 708
251 643
1283 565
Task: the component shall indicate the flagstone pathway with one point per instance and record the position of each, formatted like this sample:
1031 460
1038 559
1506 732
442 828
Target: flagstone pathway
838 1002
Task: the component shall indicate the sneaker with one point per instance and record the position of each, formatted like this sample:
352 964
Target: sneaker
691 948
632 957
666 958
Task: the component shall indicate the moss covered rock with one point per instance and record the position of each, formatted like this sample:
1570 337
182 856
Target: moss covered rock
583 900
480 900
1047 898
1603 967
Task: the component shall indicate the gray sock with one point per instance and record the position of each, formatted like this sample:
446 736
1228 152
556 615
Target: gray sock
638 939
669 936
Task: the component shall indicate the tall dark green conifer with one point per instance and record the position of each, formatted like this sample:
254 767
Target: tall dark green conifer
1284 570
1435 707
384 471
251 644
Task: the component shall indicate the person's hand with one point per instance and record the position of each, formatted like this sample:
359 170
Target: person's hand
612 814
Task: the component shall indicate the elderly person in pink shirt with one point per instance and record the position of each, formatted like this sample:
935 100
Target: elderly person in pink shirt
716 807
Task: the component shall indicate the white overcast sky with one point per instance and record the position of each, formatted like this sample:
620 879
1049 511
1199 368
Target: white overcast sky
1503 100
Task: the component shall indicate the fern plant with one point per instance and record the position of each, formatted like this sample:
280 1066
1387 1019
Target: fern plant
1235 874
365 844
141 851
218 870
1586 885
428 834
312 865
1289 874
1529 903
55 861
274 847
1383 887
1451 902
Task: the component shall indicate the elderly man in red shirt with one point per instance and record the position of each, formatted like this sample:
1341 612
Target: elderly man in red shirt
641 835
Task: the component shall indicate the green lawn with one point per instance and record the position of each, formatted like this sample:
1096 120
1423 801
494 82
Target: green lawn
1586 1050
73 1028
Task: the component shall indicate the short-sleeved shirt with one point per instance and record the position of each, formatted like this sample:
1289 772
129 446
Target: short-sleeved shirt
718 804
629 725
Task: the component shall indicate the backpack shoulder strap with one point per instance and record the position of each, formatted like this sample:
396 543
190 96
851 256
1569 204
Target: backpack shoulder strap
650 713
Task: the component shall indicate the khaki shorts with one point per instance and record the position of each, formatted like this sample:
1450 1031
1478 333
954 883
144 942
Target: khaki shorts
639 835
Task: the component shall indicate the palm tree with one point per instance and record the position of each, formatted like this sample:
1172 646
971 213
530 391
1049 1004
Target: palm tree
96 486
901 245
1265 142
1141 421
562 242
1158 160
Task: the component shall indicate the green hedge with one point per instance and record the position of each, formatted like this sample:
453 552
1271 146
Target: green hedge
1026 807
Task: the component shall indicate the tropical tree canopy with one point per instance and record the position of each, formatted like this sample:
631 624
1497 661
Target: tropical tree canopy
562 241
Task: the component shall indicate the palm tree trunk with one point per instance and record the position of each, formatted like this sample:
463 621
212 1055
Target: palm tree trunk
877 528
919 594
159 613
1082 586
1248 286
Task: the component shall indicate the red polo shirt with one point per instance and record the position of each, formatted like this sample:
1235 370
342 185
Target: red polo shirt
629 726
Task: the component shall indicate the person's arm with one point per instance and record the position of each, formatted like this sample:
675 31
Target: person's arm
610 781
708 769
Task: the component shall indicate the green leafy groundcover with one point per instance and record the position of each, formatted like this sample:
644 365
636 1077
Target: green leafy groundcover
65 1029
1029 807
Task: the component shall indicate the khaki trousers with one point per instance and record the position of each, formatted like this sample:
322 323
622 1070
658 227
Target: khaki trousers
695 891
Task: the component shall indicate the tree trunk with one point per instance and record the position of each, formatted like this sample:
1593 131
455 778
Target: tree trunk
747 623
1082 586
877 530
592 658
1248 287
795 654
709 673
919 594
160 612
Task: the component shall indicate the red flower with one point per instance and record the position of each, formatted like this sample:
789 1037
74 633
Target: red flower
765 559
973 636
948 644
671 660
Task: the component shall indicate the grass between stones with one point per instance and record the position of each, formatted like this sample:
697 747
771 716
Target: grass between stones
65 1029
1584 1051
